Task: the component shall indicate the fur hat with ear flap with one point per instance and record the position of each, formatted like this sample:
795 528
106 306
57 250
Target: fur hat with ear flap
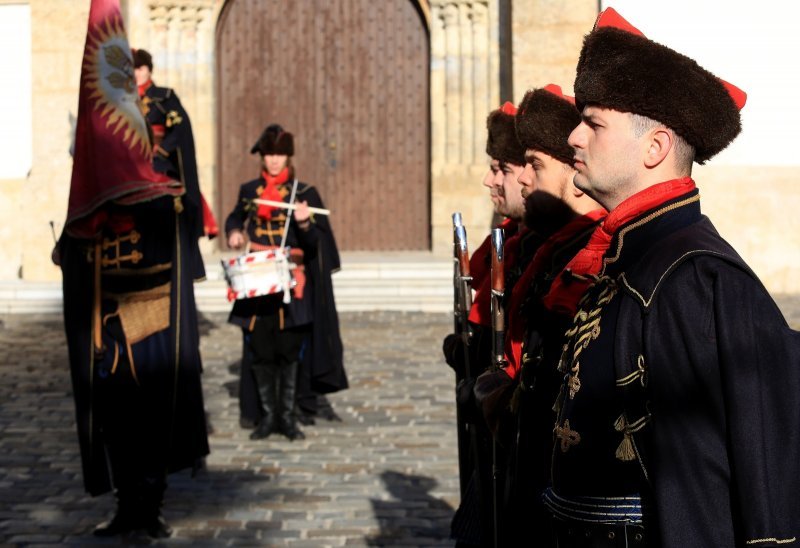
142 58
274 140
502 142
545 118
621 69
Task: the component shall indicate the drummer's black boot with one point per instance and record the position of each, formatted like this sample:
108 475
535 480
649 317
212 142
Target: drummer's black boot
266 382
287 421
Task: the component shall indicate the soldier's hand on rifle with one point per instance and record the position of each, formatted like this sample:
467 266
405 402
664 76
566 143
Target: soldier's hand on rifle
235 239
453 350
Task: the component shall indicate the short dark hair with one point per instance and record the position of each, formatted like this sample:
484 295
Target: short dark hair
684 152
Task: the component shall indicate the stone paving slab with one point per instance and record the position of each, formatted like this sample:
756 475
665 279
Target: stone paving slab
385 476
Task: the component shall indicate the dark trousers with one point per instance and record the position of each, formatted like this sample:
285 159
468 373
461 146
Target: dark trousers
273 353
133 417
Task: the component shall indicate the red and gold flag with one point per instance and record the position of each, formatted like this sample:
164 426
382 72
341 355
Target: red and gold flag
113 154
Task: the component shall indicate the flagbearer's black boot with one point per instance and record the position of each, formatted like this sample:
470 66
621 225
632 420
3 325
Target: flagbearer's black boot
287 421
125 519
152 498
265 382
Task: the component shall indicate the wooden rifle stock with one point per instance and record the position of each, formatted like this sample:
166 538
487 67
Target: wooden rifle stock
498 292
456 275
462 302
464 291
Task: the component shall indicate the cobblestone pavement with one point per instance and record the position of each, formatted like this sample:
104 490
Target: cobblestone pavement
387 475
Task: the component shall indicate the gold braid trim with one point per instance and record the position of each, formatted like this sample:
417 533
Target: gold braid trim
640 374
586 328
645 220
626 452
772 539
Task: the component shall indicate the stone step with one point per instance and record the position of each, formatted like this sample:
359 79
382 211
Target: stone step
367 281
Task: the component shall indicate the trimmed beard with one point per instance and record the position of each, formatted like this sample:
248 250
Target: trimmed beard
545 214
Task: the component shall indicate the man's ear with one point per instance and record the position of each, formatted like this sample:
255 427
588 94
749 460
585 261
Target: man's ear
660 142
572 190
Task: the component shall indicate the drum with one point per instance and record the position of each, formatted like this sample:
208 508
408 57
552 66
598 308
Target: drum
259 273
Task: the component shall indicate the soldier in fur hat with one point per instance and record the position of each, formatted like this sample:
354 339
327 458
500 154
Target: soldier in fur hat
275 331
539 310
474 522
173 141
679 406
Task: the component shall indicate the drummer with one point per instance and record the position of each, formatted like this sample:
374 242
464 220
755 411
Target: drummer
275 332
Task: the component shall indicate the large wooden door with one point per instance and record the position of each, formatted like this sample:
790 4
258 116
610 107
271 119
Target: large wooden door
349 78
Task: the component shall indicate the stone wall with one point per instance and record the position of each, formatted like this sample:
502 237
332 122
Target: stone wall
753 207
546 39
58 34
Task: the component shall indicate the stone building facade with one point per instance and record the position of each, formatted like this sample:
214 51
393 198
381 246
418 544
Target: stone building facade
481 52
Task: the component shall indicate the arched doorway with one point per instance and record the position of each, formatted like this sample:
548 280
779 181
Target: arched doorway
350 79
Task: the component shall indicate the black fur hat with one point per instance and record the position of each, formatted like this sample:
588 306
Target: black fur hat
502 142
545 119
621 69
142 58
274 140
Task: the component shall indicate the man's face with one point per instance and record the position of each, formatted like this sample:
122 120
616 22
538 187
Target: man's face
493 180
514 204
142 75
607 155
544 173
274 163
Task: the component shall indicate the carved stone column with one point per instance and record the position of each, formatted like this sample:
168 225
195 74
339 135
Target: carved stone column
465 86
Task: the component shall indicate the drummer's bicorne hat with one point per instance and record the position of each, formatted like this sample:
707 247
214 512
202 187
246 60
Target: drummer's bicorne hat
142 58
502 143
621 69
545 118
274 140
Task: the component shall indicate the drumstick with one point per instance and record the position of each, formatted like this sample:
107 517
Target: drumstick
284 205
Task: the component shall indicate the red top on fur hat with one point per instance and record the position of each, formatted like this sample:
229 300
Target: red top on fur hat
555 89
509 108
611 18
621 69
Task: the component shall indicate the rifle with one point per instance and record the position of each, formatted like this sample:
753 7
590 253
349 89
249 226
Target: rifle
498 350
456 276
462 302
464 290
498 292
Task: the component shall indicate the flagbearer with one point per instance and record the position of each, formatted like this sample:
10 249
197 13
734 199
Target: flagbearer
126 253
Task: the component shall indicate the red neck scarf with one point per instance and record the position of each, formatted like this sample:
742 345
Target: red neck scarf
143 88
516 323
566 291
271 191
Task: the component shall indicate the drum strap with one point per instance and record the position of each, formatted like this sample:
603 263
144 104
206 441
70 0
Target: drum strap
289 214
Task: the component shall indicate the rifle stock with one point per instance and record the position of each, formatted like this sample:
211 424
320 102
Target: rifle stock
457 222
464 291
462 302
498 292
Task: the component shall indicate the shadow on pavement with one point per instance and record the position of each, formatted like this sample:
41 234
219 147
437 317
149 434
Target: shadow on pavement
413 513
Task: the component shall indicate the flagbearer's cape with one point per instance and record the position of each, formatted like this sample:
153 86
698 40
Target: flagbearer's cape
113 168
113 154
